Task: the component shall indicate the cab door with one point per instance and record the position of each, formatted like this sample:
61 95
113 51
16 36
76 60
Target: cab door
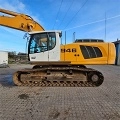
54 46
38 47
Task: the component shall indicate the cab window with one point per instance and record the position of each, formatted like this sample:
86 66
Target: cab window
42 42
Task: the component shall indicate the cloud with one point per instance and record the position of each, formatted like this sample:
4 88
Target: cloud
17 6
14 5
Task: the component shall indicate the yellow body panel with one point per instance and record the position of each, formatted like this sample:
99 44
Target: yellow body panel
97 53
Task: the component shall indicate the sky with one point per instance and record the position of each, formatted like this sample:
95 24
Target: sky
86 18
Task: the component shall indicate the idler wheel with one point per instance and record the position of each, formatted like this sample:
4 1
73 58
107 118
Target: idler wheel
95 77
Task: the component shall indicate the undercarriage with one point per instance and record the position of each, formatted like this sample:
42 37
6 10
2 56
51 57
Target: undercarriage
58 76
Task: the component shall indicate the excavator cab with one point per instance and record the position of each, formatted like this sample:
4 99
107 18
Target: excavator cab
44 46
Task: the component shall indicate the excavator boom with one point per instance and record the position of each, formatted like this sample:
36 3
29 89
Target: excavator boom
19 21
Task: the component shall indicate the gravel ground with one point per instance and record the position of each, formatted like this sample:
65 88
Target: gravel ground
60 103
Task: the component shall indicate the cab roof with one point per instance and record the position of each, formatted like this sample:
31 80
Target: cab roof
34 32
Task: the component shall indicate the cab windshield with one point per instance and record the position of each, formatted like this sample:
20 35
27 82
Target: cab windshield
42 42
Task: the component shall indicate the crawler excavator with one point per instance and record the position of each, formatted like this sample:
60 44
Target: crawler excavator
55 64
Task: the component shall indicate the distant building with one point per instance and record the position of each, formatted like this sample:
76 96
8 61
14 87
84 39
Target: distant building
3 58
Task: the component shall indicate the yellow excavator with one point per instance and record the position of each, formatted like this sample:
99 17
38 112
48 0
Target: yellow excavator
56 64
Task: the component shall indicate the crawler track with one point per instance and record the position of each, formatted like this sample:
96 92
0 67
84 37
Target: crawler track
52 76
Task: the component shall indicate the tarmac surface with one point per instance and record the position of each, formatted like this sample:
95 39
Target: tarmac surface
60 103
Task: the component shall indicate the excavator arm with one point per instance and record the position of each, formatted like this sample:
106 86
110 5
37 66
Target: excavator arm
19 21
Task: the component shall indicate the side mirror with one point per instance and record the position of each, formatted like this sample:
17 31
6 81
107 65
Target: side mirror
60 34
